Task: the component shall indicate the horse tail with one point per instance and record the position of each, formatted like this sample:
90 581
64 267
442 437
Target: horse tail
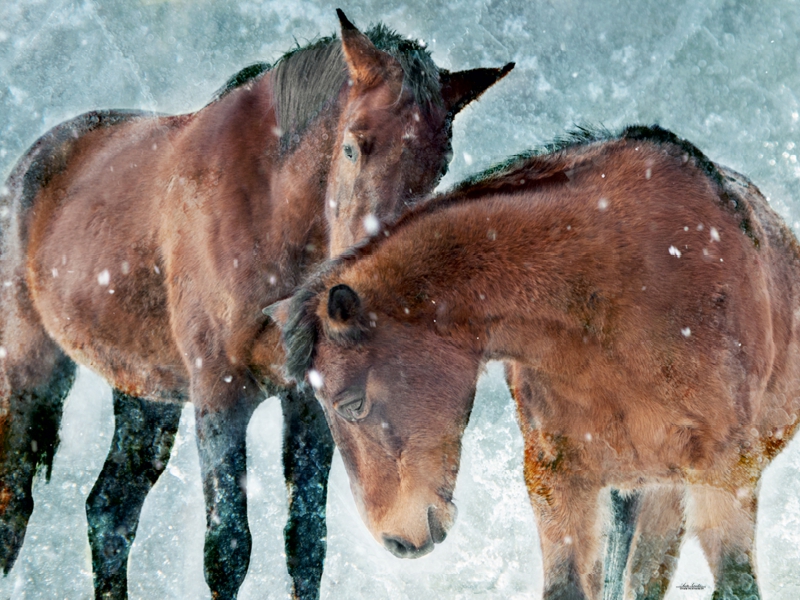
35 374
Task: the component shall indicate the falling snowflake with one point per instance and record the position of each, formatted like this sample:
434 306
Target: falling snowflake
371 224
315 379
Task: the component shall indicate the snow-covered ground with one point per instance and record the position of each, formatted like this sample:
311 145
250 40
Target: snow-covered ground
723 73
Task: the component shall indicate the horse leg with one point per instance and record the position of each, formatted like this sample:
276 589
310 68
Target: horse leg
567 516
624 515
35 378
725 523
565 507
656 543
221 439
144 432
307 453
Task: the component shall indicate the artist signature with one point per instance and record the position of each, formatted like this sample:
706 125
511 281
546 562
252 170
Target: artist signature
691 586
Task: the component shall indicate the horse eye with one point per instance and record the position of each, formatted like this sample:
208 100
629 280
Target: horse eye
353 409
349 152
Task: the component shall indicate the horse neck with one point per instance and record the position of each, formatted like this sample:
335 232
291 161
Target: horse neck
253 207
302 163
283 183
484 272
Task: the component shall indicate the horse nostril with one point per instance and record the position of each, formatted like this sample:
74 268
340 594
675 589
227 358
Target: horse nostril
405 549
396 546
438 531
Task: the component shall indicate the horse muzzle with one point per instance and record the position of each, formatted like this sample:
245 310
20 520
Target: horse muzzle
439 522
402 548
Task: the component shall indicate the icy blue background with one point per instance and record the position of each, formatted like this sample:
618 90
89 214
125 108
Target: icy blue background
724 74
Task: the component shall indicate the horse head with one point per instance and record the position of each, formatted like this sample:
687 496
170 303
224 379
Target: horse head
393 136
398 428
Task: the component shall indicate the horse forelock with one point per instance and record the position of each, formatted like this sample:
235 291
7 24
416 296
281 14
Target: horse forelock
300 333
420 73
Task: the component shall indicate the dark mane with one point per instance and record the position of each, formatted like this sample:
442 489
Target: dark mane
538 167
584 136
546 165
580 136
249 73
307 78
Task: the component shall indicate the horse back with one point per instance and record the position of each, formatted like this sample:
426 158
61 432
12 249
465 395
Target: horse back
48 157
132 233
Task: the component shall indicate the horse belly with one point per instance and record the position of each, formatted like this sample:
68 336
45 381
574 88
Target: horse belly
114 324
95 280
658 414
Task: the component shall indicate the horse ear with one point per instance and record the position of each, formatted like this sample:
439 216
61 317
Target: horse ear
343 303
279 312
462 87
367 65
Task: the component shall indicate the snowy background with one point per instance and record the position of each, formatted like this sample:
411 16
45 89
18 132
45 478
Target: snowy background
722 73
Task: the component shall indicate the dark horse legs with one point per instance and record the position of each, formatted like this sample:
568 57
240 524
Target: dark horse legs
624 514
656 542
307 453
647 528
144 432
221 440
29 438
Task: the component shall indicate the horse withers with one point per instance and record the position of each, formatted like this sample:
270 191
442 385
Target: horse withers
143 247
646 300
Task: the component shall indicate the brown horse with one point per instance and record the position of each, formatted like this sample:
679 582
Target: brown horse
647 301
144 246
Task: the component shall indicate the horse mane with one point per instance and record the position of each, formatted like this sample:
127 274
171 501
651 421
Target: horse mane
249 73
533 169
585 136
307 78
